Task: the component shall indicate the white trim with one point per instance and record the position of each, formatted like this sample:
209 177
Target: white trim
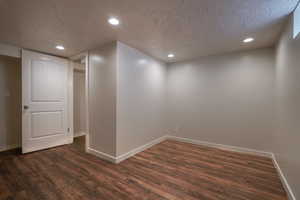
127 155
284 181
102 155
87 114
85 55
9 147
140 149
70 102
87 142
79 134
295 21
8 50
223 147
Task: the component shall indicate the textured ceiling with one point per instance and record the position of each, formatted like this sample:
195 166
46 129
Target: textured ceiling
187 28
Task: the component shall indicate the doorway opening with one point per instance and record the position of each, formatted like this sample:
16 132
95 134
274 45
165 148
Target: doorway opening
10 103
80 101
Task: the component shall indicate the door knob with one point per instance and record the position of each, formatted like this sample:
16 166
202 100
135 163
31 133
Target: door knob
26 107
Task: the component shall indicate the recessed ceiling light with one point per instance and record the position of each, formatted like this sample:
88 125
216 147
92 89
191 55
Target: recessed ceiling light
60 47
171 55
247 40
113 21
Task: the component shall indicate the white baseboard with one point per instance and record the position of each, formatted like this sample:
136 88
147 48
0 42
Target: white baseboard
127 155
79 134
284 182
224 147
102 155
124 156
9 147
140 149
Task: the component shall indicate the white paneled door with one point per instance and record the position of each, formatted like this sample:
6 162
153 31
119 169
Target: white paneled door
45 101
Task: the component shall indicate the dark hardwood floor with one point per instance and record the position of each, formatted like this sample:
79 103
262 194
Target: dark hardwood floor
170 171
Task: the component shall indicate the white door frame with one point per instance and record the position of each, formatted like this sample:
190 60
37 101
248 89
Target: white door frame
14 51
84 55
70 102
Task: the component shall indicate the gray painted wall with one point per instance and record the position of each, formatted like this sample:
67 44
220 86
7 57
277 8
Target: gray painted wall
141 95
227 99
102 98
10 102
248 99
126 99
288 107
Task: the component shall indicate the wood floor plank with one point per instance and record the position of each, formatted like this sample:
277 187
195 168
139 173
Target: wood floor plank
171 170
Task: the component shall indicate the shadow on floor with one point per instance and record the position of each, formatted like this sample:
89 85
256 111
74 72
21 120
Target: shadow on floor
79 143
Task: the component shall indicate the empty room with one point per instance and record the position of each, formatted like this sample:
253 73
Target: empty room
149 100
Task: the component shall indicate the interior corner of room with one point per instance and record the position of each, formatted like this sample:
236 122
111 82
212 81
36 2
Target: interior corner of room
117 100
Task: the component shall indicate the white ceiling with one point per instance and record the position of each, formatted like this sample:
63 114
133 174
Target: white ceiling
187 28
